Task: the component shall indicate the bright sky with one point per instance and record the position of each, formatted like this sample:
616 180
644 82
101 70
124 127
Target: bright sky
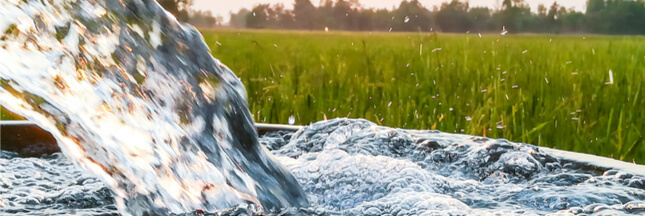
224 7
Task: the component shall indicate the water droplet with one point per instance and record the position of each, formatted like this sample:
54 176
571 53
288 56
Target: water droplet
292 120
611 78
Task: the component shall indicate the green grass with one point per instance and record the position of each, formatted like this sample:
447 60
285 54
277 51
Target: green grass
540 89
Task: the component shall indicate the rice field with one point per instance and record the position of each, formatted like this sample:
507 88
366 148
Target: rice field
581 93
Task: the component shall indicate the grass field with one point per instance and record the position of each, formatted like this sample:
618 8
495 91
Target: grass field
576 93
554 91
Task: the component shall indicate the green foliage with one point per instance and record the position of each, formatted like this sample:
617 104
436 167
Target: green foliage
200 18
204 19
178 8
546 90
602 16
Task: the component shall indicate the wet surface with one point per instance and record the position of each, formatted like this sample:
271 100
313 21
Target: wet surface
354 167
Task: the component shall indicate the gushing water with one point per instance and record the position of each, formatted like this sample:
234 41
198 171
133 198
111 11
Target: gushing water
136 98
354 167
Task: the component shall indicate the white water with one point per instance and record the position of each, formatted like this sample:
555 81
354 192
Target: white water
136 98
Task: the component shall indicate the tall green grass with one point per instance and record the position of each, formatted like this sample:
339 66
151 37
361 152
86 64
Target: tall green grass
547 90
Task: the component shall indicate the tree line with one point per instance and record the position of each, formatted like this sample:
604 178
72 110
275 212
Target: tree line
182 11
601 16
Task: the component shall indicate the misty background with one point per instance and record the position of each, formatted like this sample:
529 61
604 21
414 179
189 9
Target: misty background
514 16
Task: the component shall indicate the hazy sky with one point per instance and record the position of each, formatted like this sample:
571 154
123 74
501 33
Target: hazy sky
223 7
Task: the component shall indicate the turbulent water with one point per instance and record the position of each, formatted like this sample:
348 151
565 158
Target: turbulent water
136 98
354 167
150 124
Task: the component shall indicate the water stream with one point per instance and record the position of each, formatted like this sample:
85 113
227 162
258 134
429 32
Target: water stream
136 98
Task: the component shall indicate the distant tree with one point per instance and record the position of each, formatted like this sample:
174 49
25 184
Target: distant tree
203 19
515 15
383 20
412 16
572 21
602 16
259 17
304 14
283 18
266 16
552 22
178 8
616 16
325 15
238 20
454 17
345 17
481 19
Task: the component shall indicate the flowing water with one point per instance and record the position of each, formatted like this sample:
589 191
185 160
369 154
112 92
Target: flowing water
136 98
150 124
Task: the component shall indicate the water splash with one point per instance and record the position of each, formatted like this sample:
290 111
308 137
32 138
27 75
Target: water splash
135 97
355 167
358 168
292 120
